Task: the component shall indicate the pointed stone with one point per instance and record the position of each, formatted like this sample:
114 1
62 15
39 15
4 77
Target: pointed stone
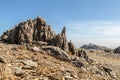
64 30
41 21
60 40
71 47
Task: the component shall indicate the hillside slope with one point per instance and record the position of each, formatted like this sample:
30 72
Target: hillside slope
38 66
33 51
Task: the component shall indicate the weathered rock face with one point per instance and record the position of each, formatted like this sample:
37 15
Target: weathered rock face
71 47
42 32
35 30
56 52
81 53
31 30
60 40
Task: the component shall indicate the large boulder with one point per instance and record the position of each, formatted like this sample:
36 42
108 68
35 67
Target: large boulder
56 52
29 64
82 53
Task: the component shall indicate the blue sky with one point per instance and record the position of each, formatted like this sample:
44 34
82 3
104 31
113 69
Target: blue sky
87 21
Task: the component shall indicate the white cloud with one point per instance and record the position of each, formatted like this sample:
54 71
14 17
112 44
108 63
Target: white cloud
100 32
97 27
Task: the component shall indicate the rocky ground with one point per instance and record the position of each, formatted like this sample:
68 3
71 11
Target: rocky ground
31 50
110 60
19 63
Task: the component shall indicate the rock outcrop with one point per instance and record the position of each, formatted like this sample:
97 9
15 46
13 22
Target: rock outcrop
31 30
71 47
81 53
60 40
56 52
35 30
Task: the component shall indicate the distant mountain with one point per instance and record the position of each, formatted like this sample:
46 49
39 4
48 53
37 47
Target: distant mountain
93 46
117 50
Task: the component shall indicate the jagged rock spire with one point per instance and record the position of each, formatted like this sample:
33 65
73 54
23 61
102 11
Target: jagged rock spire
41 21
71 47
64 30
60 40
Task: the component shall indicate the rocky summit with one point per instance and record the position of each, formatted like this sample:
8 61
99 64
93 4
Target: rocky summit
31 50
35 30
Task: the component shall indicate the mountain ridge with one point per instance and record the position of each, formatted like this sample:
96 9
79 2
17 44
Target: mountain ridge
94 46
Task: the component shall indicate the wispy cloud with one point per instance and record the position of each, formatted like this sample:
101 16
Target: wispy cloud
97 27
102 32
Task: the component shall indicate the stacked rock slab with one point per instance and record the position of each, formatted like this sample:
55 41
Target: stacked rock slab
35 30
